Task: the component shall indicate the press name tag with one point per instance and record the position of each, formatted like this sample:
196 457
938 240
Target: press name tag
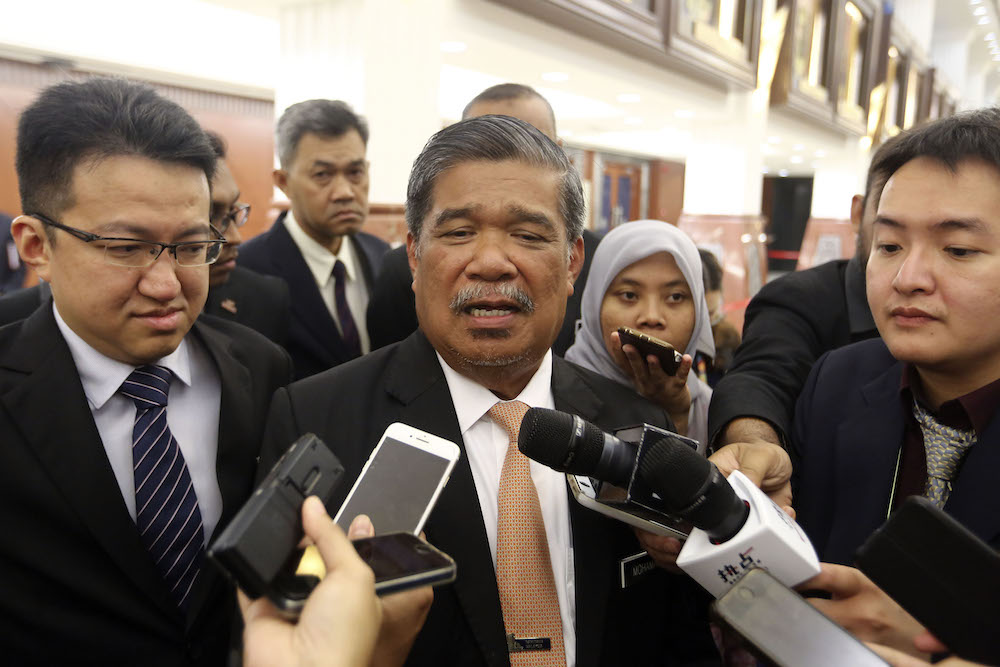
633 568
518 644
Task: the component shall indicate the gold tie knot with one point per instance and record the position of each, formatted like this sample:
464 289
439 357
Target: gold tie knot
509 415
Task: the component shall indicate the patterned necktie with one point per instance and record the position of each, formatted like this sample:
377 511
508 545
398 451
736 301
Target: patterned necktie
166 506
348 329
945 446
524 570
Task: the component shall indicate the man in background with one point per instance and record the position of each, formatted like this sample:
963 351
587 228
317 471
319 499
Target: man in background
391 315
237 293
317 247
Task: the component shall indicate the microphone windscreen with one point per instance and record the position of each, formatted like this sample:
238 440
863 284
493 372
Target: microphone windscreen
677 472
560 441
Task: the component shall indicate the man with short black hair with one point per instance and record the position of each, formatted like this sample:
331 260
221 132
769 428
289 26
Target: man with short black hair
317 246
235 292
130 431
914 412
495 213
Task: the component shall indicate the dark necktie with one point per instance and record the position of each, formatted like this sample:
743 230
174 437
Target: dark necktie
348 330
166 505
945 447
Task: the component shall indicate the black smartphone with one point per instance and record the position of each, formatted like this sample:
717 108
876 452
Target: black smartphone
670 359
782 629
402 561
942 574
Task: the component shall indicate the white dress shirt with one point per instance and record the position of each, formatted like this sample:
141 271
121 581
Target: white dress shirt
486 445
192 414
320 262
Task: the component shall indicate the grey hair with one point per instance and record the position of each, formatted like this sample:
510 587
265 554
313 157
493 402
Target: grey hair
327 118
491 139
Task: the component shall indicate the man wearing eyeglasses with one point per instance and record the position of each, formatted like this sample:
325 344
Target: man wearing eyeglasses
129 430
235 292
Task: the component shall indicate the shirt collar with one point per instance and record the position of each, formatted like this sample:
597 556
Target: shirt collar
318 258
472 400
975 409
102 376
859 314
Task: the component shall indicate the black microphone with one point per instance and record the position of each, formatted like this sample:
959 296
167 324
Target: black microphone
693 488
566 443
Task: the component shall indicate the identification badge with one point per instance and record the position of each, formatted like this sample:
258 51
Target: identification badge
519 644
633 568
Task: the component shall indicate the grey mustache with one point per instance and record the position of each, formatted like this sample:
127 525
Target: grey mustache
509 291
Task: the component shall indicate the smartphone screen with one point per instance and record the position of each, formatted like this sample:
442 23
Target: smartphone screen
396 487
403 556
785 629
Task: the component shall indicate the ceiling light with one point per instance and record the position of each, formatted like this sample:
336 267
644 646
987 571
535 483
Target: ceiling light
814 165
629 98
983 20
975 2
683 113
746 238
795 159
453 47
798 147
820 153
979 11
783 173
774 140
765 171
989 37
555 77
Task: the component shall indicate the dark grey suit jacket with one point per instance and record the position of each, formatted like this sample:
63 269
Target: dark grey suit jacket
78 585
660 620
313 338
254 300
849 426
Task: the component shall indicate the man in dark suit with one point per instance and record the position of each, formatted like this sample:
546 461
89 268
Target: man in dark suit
494 211
915 412
130 432
317 246
236 293
391 313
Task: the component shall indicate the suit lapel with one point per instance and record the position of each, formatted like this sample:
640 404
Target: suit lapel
70 449
592 542
234 468
456 524
867 449
974 501
308 306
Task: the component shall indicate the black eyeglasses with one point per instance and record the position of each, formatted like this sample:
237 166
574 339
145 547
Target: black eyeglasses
236 217
135 253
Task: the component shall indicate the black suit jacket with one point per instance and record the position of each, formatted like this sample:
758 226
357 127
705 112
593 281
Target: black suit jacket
313 338
78 586
660 620
789 324
18 305
254 300
848 431
392 315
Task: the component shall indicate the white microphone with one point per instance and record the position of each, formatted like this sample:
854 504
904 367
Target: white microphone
737 527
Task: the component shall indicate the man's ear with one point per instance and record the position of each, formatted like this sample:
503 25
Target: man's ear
576 256
411 256
33 244
857 212
280 178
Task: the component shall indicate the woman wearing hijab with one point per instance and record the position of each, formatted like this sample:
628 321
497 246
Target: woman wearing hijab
647 275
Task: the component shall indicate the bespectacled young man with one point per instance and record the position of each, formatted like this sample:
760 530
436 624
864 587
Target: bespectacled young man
130 425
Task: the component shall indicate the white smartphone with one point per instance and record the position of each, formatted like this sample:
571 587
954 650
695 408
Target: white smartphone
401 481
783 629
610 501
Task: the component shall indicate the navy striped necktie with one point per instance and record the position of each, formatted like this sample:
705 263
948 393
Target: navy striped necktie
166 505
